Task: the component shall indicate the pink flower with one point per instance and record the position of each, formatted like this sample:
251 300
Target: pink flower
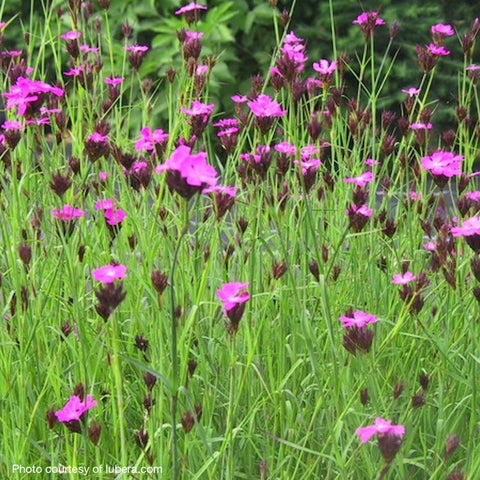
285 147
239 98
443 29
67 212
89 49
360 180
12 125
382 427
226 122
403 278
421 126
371 161
191 7
367 17
75 71
75 408
232 294
25 91
411 91
188 173
109 273
437 50
198 108
106 204
443 163
224 190
114 80
324 67
71 35
359 319
264 106
136 48
149 139
114 216
469 227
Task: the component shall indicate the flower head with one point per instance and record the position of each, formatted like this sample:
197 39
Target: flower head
360 180
67 212
380 427
264 106
232 294
359 319
75 408
403 278
109 273
412 91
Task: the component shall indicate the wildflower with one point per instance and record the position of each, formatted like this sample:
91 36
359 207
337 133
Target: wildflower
421 126
199 114
190 11
233 296
188 173
442 165
357 335
150 141
359 319
436 50
403 278
326 70
109 273
67 212
367 22
71 35
440 32
135 57
412 91
96 146
114 216
380 427
75 408
28 95
360 180
224 198
470 229
358 216
265 110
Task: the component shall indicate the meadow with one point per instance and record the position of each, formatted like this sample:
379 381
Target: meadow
289 290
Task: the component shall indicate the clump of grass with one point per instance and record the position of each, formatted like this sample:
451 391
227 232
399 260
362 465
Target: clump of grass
190 299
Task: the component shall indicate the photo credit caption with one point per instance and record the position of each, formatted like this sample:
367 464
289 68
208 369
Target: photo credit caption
83 470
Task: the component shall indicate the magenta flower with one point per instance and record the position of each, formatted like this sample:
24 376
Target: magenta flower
198 108
443 29
264 106
106 204
67 213
380 427
190 7
470 229
234 297
437 50
324 67
109 273
367 17
71 35
359 319
285 147
233 294
114 216
114 81
442 165
188 173
411 91
360 180
421 126
28 93
148 139
75 408
403 278
367 22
